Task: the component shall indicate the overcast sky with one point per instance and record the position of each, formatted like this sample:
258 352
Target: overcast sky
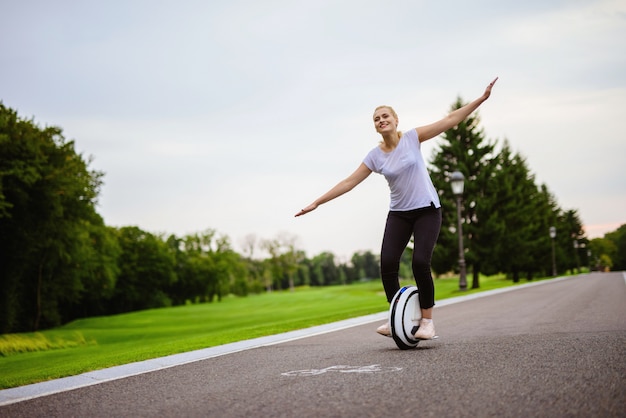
234 115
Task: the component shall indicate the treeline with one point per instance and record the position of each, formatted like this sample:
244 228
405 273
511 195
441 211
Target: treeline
59 261
151 271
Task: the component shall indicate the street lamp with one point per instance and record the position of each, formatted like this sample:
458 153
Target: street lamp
553 235
457 182
576 247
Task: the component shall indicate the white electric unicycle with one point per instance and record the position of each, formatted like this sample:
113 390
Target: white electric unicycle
404 317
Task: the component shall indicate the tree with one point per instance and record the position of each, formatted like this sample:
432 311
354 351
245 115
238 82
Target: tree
100 252
47 223
186 287
508 213
285 259
324 270
573 228
618 237
147 271
464 148
207 268
366 265
603 251
274 267
228 270
545 210
290 258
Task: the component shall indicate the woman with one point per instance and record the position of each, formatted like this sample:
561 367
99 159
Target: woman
414 208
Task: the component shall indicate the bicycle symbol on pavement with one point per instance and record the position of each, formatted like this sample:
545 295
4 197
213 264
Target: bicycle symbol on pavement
374 368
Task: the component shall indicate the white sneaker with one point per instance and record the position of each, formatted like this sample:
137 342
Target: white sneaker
384 329
426 331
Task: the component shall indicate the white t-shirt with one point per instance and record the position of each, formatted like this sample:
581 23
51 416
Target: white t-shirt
405 170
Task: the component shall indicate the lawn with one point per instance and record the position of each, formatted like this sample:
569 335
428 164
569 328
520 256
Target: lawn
95 343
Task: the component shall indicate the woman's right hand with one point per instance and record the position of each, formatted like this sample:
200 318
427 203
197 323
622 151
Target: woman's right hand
307 209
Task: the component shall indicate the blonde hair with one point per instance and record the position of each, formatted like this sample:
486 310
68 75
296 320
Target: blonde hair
393 113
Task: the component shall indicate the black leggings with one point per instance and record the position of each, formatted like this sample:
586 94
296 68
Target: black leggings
424 224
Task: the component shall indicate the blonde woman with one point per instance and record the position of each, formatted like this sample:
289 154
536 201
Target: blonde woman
414 208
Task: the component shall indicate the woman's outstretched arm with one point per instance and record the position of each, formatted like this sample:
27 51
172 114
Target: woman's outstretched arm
342 187
454 118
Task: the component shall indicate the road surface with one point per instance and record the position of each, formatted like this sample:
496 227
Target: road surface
551 350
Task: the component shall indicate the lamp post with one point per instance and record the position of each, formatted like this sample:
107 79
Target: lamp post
457 182
553 235
576 247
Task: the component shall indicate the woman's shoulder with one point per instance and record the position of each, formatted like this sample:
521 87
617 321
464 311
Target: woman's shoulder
375 152
410 134
374 158
410 139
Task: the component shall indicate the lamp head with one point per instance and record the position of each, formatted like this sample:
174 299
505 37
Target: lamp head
457 182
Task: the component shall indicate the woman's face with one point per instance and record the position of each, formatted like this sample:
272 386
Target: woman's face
385 121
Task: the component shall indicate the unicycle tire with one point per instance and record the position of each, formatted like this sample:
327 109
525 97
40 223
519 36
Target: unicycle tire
404 317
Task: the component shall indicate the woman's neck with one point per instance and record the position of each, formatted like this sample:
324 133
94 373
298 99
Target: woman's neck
390 141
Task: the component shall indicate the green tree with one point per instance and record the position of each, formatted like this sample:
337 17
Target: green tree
290 258
187 286
48 225
545 210
274 266
213 269
99 254
573 228
603 251
509 214
325 270
285 259
366 265
463 148
316 272
228 270
618 237
147 271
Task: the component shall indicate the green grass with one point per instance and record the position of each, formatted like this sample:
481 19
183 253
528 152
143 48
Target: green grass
96 343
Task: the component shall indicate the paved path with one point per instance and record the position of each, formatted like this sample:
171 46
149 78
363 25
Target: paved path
553 349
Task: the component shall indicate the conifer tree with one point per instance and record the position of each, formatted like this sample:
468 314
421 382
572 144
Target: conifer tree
463 148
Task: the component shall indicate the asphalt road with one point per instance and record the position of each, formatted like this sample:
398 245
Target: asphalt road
553 350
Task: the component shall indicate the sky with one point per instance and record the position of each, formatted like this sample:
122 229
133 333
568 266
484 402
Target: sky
232 116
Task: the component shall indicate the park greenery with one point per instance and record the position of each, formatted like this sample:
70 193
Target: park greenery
60 262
